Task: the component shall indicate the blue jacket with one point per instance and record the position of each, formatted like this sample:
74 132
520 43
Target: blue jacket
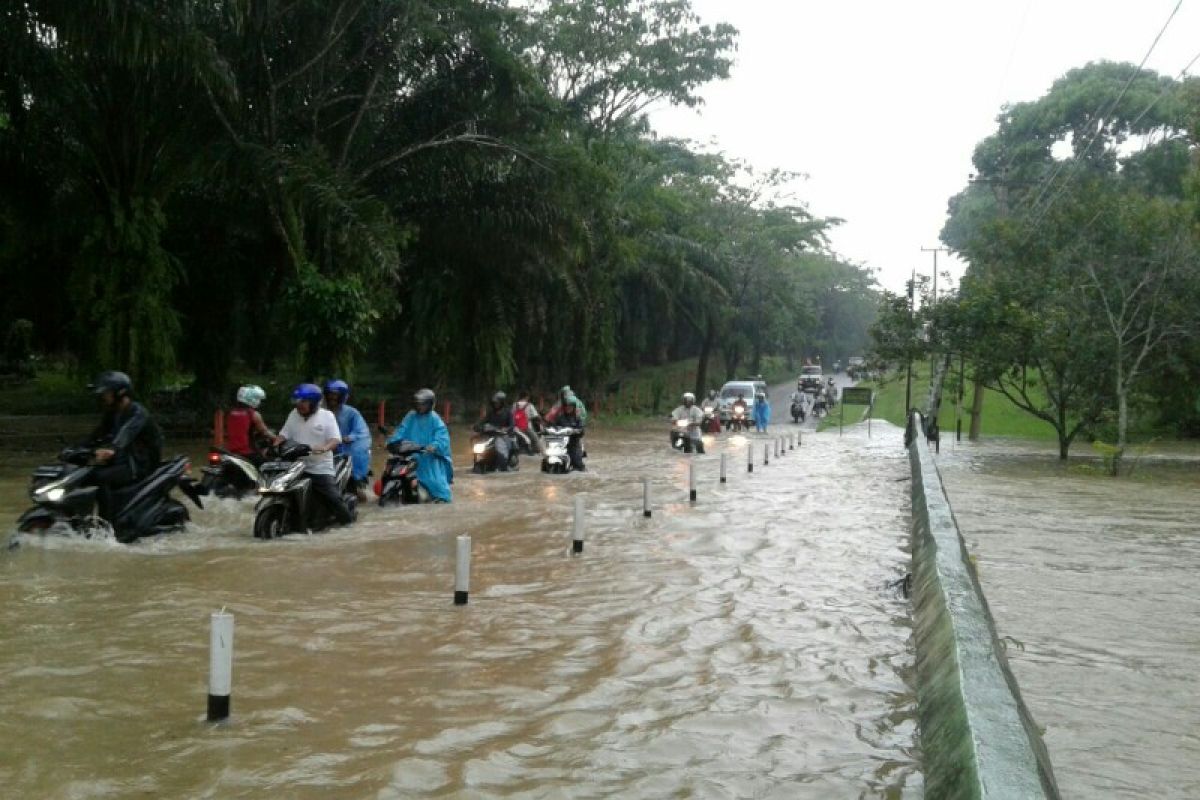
354 427
435 470
762 412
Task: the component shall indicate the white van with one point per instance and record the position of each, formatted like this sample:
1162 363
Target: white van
734 389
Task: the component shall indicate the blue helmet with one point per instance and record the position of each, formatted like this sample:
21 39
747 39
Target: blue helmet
307 391
341 387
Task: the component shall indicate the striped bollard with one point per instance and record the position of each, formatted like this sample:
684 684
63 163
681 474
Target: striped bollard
723 478
462 570
749 456
220 665
577 529
646 498
692 481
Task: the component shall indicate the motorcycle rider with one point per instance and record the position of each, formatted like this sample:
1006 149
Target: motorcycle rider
739 404
831 392
128 442
800 399
422 426
712 411
566 396
570 416
694 417
316 427
762 412
499 416
356 436
527 420
244 426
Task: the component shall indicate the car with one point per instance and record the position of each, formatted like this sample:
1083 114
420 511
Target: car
811 379
732 390
855 366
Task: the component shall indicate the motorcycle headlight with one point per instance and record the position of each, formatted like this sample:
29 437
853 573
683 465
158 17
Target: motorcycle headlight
56 494
280 483
479 448
52 492
681 423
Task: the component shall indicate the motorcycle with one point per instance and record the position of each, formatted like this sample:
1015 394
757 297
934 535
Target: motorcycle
399 483
229 475
286 504
61 494
738 420
483 446
681 440
556 449
798 413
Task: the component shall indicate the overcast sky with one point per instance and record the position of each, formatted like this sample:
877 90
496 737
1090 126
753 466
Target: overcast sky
881 102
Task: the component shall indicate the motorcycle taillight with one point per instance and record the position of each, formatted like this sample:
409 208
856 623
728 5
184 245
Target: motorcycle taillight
214 458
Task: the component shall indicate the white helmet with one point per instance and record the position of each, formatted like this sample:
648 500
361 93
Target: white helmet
251 395
688 397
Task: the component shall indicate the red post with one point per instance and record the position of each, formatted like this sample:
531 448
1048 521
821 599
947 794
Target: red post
219 428
382 412
446 411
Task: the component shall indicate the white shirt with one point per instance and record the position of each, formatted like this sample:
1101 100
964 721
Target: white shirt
693 415
316 431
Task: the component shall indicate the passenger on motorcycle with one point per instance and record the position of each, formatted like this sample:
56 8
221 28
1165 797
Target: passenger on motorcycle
316 427
569 415
712 411
690 413
128 443
499 415
762 412
527 420
356 436
422 426
244 426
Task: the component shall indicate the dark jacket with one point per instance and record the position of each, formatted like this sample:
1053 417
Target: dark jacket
500 418
133 435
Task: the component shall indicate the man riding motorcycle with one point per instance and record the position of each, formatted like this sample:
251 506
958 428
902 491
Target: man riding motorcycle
568 414
244 426
356 436
316 427
689 413
422 426
799 402
499 415
128 443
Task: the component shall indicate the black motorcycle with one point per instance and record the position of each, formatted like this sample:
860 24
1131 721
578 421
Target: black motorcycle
62 494
399 483
737 419
229 475
287 503
556 449
681 438
798 413
483 445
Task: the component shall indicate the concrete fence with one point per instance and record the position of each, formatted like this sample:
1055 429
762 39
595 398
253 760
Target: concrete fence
977 737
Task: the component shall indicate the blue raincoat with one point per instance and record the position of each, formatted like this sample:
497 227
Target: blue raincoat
435 470
762 414
354 427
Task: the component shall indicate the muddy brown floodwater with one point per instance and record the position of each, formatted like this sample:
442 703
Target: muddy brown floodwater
746 646
1095 585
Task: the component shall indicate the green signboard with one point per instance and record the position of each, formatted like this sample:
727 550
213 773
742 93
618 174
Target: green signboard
856 396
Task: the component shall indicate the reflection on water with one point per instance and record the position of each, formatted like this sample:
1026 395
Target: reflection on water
746 646
1097 581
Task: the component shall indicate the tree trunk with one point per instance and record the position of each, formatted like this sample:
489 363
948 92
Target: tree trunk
977 411
1064 445
1122 422
710 335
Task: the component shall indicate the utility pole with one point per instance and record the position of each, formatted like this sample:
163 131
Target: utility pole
935 251
912 284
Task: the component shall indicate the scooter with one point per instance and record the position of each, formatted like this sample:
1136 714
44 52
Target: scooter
798 413
556 449
62 496
229 475
399 484
737 419
287 504
484 448
680 440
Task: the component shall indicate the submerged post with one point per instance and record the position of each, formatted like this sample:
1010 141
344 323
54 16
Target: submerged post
749 456
220 665
577 531
766 454
462 570
646 498
692 481
723 474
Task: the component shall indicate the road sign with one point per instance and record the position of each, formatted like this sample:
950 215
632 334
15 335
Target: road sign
856 396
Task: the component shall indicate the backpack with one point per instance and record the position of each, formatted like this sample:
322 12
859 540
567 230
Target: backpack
520 418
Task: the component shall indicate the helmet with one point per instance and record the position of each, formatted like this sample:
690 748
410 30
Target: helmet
498 398
688 398
116 382
307 391
251 395
761 396
424 397
712 393
341 387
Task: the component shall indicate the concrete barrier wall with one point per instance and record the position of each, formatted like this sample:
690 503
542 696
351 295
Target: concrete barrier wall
977 738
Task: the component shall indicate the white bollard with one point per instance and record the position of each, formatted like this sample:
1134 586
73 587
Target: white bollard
749 456
723 478
220 665
462 570
792 442
577 532
766 455
692 481
646 498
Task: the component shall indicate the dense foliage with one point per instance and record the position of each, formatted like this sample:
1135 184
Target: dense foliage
462 190
1081 302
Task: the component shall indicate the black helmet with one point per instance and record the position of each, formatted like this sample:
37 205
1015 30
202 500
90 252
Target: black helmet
116 382
498 398
424 397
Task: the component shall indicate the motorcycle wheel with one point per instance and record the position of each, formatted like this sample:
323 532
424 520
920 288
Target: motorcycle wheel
271 522
478 468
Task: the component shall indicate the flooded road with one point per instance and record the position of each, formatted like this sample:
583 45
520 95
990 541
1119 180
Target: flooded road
746 646
1097 582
